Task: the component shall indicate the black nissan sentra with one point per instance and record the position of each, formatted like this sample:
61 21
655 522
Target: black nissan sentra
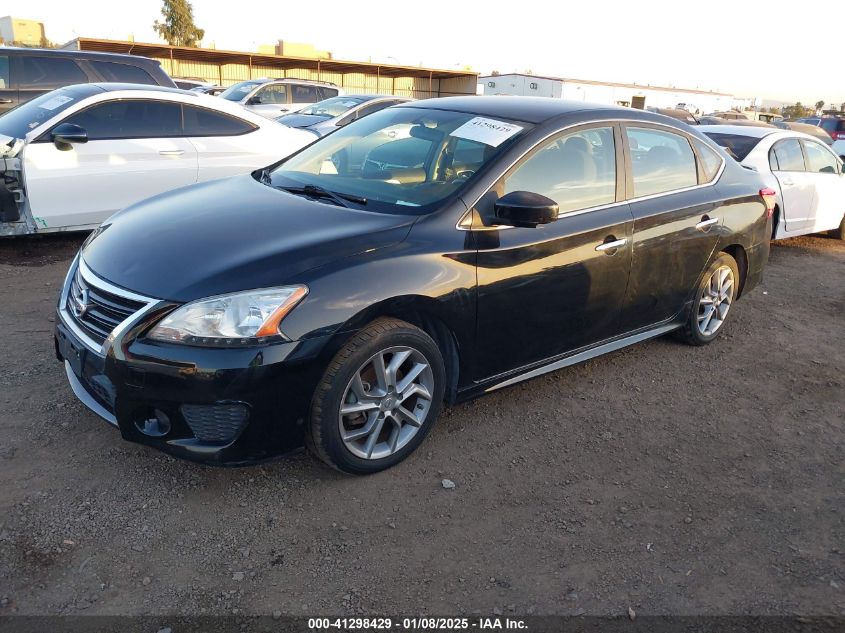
426 254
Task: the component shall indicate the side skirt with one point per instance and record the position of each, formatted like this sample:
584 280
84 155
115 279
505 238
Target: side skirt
587 354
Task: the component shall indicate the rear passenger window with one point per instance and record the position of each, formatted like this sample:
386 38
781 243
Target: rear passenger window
132 118
122 73
710 160
49 72
576 170
202 122
660 161
819 159
788 155
304 94
327 93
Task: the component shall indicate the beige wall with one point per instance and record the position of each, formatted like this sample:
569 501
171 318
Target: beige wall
22 31
365 83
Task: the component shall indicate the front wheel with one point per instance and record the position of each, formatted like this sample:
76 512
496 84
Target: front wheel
713 301
840 232
378 398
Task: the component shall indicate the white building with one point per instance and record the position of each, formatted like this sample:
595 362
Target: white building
610 93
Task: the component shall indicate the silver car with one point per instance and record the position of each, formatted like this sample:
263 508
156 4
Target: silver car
328 115
272 97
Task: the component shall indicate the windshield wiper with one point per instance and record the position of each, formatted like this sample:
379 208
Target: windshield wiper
316 191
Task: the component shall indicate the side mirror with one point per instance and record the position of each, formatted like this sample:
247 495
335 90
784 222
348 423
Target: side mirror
256 100
67 134
525 209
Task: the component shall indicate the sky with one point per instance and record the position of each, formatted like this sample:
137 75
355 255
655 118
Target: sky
657 42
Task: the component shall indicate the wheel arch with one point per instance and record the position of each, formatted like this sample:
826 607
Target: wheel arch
737 251
422 312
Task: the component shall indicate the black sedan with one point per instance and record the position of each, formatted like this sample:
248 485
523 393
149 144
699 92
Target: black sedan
428 253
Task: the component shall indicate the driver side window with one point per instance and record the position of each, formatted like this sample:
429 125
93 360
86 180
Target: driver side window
273 94
577 170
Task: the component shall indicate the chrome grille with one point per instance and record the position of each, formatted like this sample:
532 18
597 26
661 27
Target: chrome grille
96 311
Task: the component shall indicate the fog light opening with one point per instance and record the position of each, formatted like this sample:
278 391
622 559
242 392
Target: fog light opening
153 423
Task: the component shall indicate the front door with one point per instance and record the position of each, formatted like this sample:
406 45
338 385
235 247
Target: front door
676 224
135 151
787 162
270 100
555 288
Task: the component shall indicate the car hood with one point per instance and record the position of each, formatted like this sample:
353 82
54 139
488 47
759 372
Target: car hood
302 120
230 235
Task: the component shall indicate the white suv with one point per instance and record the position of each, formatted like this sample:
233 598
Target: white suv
274 97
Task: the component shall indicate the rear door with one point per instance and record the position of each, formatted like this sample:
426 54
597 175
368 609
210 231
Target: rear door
676 223
555 288
824 174
135 150
8 92
786 159
227 145
302 95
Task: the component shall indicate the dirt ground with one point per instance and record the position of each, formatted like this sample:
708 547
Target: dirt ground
664 478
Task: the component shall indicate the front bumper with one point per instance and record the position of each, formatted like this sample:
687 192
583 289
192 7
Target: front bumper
222 406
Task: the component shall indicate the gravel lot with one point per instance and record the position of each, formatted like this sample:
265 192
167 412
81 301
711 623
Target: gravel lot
663 478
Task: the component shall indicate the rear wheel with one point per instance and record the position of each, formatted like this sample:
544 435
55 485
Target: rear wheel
378 399
712 302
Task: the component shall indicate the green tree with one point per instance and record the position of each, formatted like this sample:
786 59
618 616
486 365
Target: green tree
819 105
178 28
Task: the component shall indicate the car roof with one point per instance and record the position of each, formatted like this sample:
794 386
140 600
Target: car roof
115 86
753 131
529 109
124 57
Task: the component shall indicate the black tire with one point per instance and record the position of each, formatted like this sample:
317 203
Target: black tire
690 332
323 436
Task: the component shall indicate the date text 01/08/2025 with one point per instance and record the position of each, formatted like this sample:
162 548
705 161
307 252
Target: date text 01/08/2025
415 624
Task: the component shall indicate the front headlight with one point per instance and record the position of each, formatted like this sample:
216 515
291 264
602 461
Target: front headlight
235 319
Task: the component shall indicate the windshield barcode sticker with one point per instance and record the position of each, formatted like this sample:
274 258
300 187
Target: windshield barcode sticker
488 131
55 102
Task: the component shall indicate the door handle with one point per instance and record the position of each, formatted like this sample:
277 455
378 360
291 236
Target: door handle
5 101
171 152
705 222
610 246
787 183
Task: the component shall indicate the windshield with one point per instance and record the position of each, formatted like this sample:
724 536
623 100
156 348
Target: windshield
737 145
239 91
401 160
331 107
21 120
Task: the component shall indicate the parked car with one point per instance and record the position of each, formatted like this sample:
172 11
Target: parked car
805 174
805 128
191 83
326 116
235 320
72 157
274 97
676 113
689 107
26 73
209 90
835 127
731 115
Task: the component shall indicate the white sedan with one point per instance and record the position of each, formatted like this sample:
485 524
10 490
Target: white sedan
73 157
806 175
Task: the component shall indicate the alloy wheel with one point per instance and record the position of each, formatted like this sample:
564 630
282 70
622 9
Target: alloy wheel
386 402
715 301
